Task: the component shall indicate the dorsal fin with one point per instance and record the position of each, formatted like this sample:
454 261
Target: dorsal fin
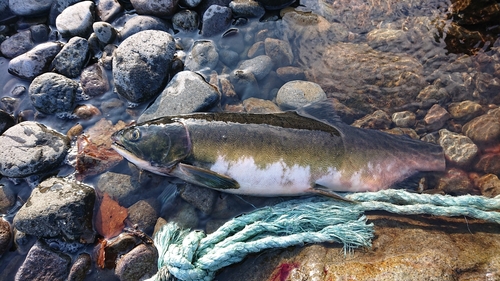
323 111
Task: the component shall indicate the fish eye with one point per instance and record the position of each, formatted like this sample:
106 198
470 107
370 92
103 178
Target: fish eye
135 134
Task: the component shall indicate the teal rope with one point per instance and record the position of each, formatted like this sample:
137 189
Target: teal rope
193 255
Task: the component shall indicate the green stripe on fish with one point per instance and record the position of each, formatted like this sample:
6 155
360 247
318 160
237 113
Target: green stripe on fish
290 153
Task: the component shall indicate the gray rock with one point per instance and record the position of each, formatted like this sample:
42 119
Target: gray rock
94 80
257 49
80 268
259 66
245 84
72 58
43 263
200 197
141 64
104 31
436 117
144 214
29 148
433 92
228 57
203 56
138 264
247 8
23 241
187 92
216 19
76 20
189 3
34 62
159 8
7 196
185 216
53 93
58 6
186 20
29 7
404 119
377 120
39 33
141 23
107 10
107 56
279 51
458 149
58 207
6 236
296 94
385 39
487 88
6 121
17 44
465 110
120 187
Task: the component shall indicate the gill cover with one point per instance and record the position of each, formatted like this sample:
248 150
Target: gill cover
162 145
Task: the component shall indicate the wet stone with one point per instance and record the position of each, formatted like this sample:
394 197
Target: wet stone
107 10
296 94
138 264
385 39
94 80
436 117
121 187
104 31
107 56
5 236
259 66
483 130
465 110
36 61
185 216
245 84
53 93
76 20
140 23
43 263
247 8
228 57
7 196
29 7
254 105
455 182
216 19
72 58
289 73
80 268
159 8
487 87
279 51
488 163
58 207
200 197
29 148
432 92
187 92
141 64
39 33
203 56
458 149
6 121
58 6
257 49
186 20
489 185
144 214
377 120
86 111
17 44
404 119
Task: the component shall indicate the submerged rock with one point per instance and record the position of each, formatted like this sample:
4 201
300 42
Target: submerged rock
29 148
295 94
58 207
458 149
43 263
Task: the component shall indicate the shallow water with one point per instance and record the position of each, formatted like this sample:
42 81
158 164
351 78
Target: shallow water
317 31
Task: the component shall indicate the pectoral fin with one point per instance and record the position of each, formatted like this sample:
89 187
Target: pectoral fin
204 177
325 191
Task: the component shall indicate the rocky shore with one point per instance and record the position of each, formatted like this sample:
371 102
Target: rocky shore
73 72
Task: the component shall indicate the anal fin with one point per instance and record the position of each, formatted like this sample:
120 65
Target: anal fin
204 177
325 191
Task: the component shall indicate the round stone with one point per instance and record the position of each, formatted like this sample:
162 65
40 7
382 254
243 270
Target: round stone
296 94
76 20
53 93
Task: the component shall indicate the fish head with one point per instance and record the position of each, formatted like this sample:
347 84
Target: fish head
154 147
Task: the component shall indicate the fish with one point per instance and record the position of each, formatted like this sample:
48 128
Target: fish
293 153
